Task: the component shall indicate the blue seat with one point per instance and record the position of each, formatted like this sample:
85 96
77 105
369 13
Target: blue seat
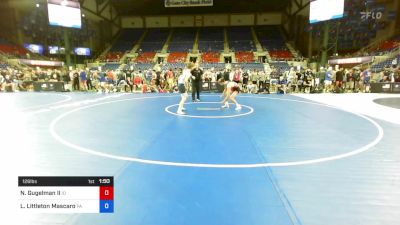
183 40
211 40
241 39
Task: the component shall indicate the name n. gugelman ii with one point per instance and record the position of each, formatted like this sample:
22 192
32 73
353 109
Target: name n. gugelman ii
40 193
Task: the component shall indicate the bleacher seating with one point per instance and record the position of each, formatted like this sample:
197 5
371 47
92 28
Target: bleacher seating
271 39
280 66
386 46
140 66
145 57
177 57
182 41
243 57
4 66
281 54
241 39
211 44
114 56
211 40
127 40
211 57
110 66
151 47
12 49
387 63
249 66
217 66
154 40
168 66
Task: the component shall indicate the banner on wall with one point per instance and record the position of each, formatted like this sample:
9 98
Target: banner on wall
356 60
41 62
188 3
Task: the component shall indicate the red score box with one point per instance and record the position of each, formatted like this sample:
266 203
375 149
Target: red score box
106 193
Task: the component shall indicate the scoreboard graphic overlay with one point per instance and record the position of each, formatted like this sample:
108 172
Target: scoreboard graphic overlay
66 194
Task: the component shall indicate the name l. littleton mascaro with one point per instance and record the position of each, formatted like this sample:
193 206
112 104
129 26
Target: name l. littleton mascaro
47 206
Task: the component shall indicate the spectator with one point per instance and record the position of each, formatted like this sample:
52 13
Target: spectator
9 85
339 80
328 80
237 76
75 81
83 77
138 82
2 82
254 77
246 79
90 80
397 78
67 81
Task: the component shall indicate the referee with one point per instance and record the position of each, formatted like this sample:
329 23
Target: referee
196 82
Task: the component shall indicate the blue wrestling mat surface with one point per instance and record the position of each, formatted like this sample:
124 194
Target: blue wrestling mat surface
280 160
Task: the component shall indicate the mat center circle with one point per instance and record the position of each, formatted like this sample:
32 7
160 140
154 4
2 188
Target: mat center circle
209 110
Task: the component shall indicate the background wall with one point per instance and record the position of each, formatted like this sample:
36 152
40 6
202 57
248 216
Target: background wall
242 19
156 21
208 20
132 22
216 20
268 18
181 21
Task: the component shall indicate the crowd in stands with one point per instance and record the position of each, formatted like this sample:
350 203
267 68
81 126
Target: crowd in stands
142 74
163 78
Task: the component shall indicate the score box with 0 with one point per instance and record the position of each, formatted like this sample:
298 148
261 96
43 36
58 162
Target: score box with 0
66 194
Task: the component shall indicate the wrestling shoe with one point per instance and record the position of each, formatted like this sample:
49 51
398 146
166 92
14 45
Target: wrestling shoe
226 105
238 107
